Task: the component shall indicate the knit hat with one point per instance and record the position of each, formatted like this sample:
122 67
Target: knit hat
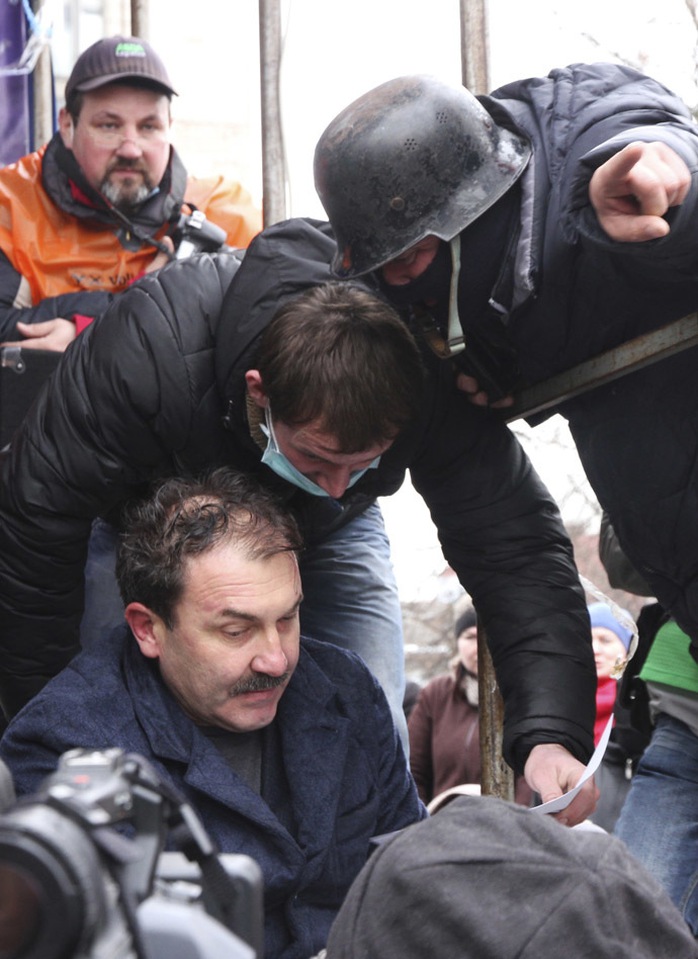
601 615
117 58
466 619
487 879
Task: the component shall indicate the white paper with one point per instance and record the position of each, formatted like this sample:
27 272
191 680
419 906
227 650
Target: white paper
562 802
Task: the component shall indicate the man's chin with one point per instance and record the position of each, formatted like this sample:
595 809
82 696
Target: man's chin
126 196
253 711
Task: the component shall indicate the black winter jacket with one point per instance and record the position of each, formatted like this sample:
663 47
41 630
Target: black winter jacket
156 387
586 293
562 291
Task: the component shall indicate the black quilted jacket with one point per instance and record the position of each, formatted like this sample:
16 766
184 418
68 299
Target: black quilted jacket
156 386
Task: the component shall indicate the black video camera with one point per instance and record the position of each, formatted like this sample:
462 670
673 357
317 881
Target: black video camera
198 235
74 887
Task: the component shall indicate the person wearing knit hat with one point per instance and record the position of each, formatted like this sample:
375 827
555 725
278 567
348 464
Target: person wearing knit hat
487 879
444 725
611 641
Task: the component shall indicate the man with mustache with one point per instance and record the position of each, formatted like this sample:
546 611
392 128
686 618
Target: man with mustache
284 745
105 201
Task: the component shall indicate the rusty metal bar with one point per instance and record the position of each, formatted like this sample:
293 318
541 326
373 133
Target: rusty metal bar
497 777
623 359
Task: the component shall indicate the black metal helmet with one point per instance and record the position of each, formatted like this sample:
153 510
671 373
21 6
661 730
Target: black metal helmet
414 157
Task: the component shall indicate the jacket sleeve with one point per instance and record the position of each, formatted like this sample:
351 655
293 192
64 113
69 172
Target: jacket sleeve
501 532
594 112
116 414
91 304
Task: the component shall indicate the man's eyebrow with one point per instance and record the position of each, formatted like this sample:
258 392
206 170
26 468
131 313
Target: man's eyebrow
232 613
107 114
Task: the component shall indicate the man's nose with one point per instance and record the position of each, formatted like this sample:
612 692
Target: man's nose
270 657
129 147
335 482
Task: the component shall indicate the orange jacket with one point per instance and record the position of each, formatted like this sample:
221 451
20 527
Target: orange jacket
58 253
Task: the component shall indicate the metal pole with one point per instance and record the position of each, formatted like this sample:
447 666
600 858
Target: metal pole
474 42
42 82
273 161
140 22
497 778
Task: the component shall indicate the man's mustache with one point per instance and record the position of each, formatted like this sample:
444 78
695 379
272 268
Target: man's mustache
126 163
258 683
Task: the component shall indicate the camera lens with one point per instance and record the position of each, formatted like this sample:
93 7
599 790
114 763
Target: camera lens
21 907
51 885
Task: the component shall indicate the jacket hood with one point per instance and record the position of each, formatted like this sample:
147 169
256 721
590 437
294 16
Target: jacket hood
280 263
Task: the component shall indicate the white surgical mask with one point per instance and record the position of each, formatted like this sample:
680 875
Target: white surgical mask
283 467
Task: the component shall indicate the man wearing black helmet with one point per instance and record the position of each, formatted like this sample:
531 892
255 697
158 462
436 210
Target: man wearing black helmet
525 232
529 230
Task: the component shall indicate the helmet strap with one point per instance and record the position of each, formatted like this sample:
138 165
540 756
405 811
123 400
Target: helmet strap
456 334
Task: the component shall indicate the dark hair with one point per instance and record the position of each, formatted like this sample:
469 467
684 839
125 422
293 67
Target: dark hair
188 517
342 356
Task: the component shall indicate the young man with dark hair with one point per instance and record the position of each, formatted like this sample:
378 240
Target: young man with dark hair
168 383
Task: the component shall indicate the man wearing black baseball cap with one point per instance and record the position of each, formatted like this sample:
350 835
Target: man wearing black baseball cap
118 58
111 199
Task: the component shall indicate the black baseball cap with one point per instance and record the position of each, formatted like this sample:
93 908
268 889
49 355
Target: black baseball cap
118 58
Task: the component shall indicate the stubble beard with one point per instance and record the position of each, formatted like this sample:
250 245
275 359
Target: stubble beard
127 196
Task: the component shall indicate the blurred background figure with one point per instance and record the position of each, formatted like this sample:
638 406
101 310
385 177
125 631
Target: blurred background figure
409 700
444 727
611 641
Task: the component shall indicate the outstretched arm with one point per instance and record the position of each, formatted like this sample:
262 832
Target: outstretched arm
633 190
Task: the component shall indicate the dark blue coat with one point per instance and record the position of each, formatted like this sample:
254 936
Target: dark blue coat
579 293
344 776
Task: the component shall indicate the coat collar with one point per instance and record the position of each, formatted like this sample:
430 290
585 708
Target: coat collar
314 739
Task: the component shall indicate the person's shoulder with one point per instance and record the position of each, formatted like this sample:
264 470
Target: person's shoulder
88 678
437 688
23 168
327 655
194 275
342 671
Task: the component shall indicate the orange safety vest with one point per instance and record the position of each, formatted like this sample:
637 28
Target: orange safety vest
57 253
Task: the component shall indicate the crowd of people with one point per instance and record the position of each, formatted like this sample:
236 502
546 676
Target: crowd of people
193 563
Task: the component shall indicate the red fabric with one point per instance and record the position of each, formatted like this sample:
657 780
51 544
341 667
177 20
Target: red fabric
606 691
81 322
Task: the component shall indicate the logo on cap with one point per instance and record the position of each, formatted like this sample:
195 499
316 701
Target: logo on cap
129 50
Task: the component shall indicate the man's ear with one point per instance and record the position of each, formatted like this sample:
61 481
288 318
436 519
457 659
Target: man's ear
255 388
66 128
147 627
